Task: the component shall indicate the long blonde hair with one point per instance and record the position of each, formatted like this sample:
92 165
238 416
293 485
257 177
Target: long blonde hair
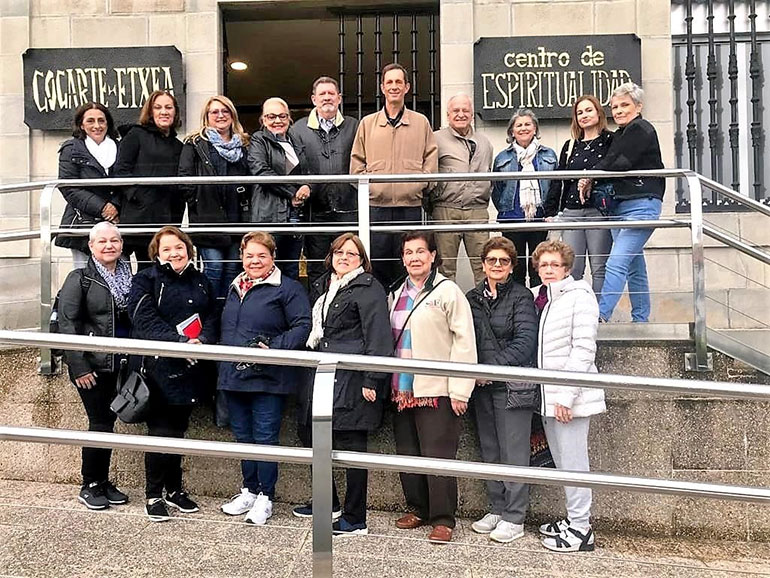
236 127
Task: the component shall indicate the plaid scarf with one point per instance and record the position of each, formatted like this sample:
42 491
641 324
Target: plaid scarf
402 386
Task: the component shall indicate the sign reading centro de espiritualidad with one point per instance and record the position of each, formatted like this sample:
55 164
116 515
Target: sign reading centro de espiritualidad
548 73
58 80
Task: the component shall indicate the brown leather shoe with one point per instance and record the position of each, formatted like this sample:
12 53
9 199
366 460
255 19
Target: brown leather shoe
409 522
440 535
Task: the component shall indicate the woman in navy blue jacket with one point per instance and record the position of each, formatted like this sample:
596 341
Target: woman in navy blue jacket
268 310
170 293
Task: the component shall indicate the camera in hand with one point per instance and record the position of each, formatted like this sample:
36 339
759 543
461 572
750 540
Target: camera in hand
255 341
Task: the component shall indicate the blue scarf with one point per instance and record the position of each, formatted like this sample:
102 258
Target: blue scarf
231 151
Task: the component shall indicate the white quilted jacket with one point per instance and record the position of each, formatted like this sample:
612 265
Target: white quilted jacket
567 342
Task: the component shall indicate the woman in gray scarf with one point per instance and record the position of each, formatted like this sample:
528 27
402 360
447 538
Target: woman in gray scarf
93 301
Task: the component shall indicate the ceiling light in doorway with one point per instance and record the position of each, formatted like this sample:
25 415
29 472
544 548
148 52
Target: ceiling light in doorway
238 65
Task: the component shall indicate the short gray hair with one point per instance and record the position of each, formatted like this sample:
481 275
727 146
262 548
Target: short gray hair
518 114
631 89
459 95
99 227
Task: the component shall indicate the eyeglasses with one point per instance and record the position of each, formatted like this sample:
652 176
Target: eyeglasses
349 254
550 265
218 111
504 261
273 117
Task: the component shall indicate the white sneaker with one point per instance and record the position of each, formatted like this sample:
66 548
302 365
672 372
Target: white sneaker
260 511
488 523
506 532
571 540
554 528
240 503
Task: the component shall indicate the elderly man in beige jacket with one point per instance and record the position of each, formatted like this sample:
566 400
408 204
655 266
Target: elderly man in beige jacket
461 150
394 140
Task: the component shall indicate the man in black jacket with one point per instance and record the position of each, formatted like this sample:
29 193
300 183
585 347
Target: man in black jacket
327 136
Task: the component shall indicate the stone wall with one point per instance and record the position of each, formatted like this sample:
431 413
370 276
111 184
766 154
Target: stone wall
193 26
642 434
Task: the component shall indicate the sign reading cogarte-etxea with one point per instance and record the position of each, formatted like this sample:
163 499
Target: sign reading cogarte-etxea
548 73
58 80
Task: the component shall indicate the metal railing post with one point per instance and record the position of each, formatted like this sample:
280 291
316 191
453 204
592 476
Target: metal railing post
46 365
700 360
364 229
323 399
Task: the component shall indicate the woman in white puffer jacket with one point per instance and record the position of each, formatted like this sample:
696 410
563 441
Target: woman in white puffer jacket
569 319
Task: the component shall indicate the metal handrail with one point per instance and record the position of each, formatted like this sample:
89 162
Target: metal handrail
699 361
351 179
736 243
296 229
384 364
386 462
735 196
322 456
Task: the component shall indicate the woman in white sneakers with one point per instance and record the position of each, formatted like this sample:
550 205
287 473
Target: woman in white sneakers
569 318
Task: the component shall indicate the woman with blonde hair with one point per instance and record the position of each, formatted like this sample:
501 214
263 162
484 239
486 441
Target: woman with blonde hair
217 148
273 152
589 143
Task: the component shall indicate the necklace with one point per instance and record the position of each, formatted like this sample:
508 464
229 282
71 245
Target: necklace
588 143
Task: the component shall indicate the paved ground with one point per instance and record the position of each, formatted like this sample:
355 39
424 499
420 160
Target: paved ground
44 531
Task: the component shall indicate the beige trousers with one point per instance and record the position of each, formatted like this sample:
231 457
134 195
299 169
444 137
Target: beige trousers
449 243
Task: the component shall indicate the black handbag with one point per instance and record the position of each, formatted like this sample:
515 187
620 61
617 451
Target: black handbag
133 395
603 197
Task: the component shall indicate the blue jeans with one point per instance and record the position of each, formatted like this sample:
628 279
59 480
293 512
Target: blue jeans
626 262
255 418
221 265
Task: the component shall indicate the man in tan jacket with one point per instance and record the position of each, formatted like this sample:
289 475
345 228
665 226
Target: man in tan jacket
394 140
461 150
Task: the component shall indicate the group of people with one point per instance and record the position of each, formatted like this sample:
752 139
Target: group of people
402 301
394 140
499 322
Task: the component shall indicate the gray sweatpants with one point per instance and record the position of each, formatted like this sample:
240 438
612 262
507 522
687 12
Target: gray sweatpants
598 243
568 443
504 439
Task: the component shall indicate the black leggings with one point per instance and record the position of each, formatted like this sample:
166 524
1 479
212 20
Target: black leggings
96 401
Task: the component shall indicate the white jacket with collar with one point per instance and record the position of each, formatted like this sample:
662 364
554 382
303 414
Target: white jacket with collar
567 342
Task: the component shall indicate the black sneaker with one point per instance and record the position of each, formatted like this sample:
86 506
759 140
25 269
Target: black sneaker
181 502
114 495
344 528
93 496
306 511
156 510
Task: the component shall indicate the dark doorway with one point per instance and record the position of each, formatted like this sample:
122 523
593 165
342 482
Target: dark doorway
287 45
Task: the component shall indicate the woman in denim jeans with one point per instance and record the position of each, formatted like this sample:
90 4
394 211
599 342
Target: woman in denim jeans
523 200
634 147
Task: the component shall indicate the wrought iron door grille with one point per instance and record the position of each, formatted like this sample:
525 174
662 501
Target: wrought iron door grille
371 39
719 91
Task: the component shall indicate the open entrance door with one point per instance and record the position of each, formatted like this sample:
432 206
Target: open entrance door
287 45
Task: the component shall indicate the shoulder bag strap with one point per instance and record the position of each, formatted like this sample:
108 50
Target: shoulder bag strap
408 317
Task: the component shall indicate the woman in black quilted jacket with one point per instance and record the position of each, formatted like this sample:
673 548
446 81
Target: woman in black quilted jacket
506 325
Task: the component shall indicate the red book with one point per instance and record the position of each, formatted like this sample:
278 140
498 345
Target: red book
191 327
